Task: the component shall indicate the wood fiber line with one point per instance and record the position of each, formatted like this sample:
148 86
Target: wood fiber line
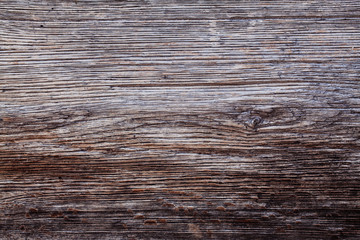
173 119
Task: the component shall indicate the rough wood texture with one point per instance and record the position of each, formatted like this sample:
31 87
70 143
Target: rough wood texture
179 119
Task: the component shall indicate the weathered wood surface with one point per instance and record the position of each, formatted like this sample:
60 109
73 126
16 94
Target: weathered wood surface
179 119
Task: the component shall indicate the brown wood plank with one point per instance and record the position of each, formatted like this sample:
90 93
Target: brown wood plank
179 119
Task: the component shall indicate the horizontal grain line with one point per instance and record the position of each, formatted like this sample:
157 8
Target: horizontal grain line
182 18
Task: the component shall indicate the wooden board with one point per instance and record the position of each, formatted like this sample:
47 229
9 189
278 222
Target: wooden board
179 119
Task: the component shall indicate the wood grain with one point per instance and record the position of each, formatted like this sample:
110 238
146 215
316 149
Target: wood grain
179 119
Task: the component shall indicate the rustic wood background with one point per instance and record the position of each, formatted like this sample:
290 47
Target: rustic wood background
169 119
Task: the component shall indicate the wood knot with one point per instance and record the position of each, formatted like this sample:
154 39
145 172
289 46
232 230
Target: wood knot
250 120
255 121
263 117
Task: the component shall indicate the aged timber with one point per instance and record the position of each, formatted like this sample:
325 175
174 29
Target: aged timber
179 119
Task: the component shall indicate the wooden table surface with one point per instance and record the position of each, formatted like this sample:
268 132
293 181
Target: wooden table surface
169 119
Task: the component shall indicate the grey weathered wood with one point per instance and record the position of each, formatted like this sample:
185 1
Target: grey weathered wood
179 119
